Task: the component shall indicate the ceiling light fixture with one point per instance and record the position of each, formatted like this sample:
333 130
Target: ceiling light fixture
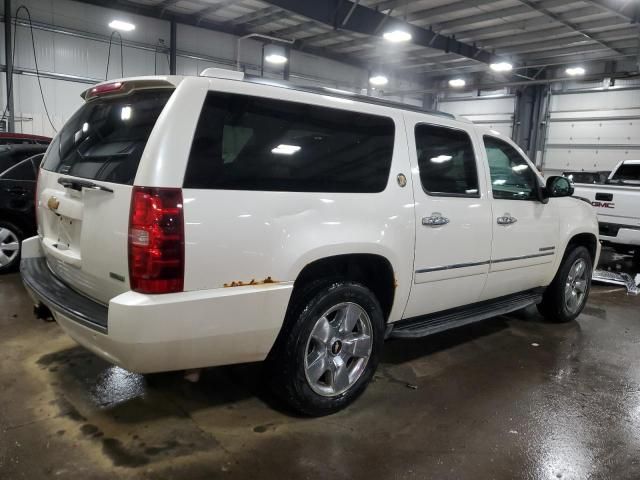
457 82
284 149
573 71
501 67
397 36
122 25
275 54
378 80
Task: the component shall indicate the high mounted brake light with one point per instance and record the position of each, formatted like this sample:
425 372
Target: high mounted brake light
156 240
125 88
104 88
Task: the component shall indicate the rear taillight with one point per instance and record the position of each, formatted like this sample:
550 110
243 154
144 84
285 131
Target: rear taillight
156 240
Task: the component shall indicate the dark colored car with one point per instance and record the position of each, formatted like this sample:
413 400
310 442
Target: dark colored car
10 155
23 139
17 210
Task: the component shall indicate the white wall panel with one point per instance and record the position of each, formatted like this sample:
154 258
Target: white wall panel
593 130
494 113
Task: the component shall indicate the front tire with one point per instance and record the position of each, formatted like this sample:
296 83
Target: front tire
10 238
567 295
328 349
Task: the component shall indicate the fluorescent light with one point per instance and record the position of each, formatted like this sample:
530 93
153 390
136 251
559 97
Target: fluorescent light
397 36
573 71
276 59
378 80
121 25
500 181
501 67
284 149
441 159
457 82
125 113
519 168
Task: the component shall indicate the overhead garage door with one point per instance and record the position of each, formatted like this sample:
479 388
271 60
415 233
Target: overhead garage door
492 112
592 130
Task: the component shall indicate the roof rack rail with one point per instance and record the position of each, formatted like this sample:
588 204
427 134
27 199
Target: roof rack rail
334 92
338 93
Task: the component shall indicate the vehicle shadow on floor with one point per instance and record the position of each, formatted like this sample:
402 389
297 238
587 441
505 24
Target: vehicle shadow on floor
90 383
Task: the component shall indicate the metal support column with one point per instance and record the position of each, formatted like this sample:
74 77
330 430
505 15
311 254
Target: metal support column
527 118
9 62
287 66
173 48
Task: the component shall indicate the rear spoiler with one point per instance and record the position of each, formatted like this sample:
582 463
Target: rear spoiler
123 88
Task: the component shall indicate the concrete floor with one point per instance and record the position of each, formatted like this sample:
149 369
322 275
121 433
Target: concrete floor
512 397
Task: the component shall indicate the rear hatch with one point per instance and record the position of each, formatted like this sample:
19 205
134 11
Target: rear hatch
85 186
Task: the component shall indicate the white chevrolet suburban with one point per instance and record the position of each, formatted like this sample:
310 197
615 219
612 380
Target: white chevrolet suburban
617 204
187 222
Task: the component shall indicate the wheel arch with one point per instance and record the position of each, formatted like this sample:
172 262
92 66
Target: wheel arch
374 271
584 239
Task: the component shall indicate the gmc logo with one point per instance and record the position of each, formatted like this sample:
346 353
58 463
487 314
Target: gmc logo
604 204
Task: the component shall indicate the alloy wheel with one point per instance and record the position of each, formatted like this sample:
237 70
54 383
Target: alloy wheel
338 349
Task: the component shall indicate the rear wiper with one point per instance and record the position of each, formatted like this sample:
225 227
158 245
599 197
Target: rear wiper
78 185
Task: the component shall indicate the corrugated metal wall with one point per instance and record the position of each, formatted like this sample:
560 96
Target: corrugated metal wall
77 46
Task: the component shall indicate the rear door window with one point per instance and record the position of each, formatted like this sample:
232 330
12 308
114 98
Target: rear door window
253 143
104 140
627 173
446 161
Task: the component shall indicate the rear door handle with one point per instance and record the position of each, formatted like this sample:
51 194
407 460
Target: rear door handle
507 219
435 220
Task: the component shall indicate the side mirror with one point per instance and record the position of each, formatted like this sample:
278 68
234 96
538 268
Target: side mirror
559 187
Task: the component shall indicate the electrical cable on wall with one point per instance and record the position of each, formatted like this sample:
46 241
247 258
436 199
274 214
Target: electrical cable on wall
35 61
106 76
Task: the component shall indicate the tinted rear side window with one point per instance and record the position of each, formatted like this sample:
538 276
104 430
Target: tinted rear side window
104 140
627 173
254 143
446 161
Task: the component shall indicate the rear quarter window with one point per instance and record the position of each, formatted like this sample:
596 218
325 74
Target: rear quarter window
105 138
253 143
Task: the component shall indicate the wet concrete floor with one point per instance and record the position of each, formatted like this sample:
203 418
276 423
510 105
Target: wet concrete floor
512 397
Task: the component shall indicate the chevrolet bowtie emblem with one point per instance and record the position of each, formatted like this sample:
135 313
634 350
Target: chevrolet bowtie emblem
53 203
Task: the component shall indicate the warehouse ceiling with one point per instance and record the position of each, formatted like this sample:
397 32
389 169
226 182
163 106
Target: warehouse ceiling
449 38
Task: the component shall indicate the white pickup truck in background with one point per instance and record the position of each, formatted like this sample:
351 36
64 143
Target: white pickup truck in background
617 203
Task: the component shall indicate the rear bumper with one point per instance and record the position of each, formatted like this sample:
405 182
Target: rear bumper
157 333
49 290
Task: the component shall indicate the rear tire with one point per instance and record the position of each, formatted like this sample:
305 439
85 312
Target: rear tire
328 349
11 237
567 295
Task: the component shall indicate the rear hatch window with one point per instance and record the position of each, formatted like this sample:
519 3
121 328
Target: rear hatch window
104 140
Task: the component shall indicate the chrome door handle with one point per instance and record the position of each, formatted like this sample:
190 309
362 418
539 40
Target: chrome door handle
507 219
435 220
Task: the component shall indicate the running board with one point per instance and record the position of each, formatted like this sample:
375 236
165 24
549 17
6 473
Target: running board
457 317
